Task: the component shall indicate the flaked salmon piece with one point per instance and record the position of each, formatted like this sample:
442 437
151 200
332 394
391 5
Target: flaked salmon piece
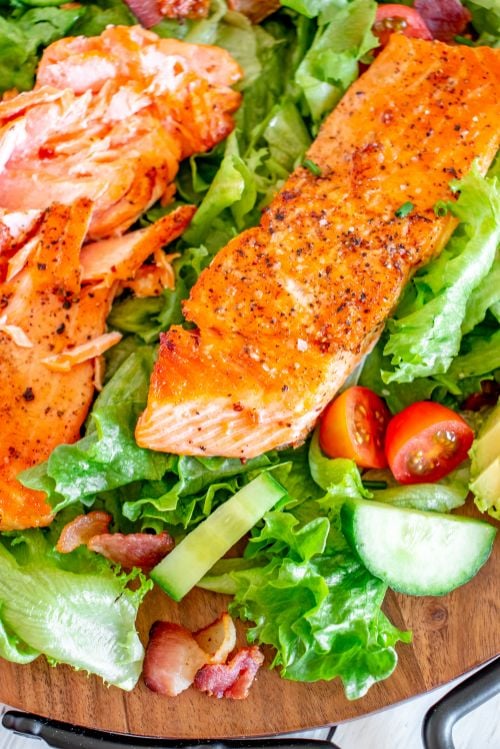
151 279
38 409
286 310
15 230
64 361
119 258
52 334
109 120
66 150
132 53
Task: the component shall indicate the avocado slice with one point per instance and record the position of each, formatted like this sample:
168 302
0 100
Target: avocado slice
485 466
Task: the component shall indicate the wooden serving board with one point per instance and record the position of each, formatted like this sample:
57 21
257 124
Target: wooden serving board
451 635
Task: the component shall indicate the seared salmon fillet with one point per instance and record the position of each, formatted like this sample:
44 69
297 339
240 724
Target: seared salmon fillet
40 409
54 300
110 118
286 310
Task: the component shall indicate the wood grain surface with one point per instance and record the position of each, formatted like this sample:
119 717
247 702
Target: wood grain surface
451 635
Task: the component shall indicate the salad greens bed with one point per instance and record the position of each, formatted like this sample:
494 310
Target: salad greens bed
298 582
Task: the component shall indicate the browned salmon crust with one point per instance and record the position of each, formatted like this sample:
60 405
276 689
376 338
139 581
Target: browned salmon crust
286 310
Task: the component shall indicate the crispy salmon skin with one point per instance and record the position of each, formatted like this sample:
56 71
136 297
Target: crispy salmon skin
286 310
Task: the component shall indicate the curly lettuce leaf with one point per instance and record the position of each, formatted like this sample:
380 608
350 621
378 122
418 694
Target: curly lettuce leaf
338 476
344 37
425 335
22 39
192 489
83 617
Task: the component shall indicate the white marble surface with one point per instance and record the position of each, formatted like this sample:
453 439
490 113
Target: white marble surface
395 728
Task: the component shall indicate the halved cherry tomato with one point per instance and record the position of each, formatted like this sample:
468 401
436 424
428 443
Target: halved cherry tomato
426 441
400 18
353 426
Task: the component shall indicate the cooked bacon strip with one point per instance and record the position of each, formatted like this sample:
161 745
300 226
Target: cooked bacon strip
109 119
444 18
142 550
65 360
119 258
172 660
218 639
286 310
81 529
255 10
146 11
231 680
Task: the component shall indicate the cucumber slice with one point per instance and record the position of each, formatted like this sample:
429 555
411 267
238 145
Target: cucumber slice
200 549
416 552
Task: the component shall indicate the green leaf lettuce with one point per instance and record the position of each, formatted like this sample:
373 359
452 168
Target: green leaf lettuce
85 618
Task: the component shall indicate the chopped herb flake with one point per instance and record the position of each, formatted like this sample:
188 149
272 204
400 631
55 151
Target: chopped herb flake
441 208
312 166
404 210
464 40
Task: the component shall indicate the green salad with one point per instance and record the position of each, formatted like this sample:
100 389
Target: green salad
300 583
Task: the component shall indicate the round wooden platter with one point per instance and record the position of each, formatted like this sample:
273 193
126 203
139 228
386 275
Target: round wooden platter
451 635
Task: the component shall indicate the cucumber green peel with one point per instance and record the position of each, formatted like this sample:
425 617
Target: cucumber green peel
209 541
415 552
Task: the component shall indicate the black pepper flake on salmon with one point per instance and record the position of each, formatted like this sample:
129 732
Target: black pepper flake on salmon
29 395
372 253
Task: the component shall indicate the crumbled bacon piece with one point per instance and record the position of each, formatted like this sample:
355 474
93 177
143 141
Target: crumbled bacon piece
444 18
172 660
176 658
231 680
218 639
146 11
143 550
184 8
151 12
255 10
80 530
488 396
